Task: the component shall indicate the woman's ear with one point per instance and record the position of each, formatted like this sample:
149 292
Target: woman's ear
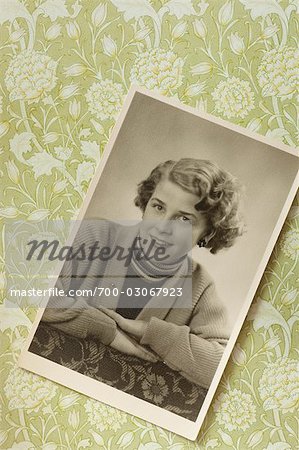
203 242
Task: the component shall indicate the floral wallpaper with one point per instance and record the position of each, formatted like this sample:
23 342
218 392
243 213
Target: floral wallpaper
65 69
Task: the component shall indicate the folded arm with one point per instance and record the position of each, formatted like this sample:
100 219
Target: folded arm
79 319
195 349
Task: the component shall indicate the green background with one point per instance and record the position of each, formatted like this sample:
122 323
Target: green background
65 69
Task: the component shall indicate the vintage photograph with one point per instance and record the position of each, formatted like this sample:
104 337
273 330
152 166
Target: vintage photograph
172 240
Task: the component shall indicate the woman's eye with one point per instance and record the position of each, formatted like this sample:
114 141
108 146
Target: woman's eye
158 207
185 219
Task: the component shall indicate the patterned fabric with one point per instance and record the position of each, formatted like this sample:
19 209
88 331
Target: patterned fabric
154 382
66 66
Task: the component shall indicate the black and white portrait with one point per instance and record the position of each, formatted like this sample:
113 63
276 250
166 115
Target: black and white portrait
174 234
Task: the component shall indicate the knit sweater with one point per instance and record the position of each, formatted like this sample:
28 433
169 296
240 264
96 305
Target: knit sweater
190 340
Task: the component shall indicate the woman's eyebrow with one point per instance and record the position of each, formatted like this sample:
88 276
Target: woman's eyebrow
188 214
181 212
158 200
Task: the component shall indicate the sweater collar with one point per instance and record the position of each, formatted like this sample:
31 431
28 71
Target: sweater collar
116 271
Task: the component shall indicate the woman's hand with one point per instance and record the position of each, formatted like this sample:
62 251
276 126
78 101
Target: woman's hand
135 327
125 344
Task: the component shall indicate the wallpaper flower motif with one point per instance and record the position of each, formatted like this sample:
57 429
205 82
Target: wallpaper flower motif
278 72
103 416
290 244
279 385
157 70
26 390
29 75
66 67
105 99
233 98
235 410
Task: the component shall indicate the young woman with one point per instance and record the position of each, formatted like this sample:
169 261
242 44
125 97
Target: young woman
184 203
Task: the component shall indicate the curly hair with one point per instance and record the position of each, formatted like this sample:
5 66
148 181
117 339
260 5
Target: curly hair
218 191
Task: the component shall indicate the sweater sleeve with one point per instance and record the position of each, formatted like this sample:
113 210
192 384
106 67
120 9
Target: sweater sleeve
80 320
74 315
194 350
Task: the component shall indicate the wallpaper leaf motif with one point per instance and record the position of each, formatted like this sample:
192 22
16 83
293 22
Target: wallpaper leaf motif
11 10
135 10
262 8
180 8
66 67
53 9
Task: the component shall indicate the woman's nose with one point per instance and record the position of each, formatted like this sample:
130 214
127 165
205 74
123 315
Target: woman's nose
164 226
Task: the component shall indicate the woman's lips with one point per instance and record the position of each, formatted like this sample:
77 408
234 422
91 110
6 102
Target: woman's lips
161 242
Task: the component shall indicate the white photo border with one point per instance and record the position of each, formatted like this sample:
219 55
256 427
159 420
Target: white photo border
110 395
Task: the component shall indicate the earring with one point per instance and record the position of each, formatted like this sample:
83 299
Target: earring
201 243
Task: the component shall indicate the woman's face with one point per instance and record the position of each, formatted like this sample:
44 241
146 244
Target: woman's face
170 218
